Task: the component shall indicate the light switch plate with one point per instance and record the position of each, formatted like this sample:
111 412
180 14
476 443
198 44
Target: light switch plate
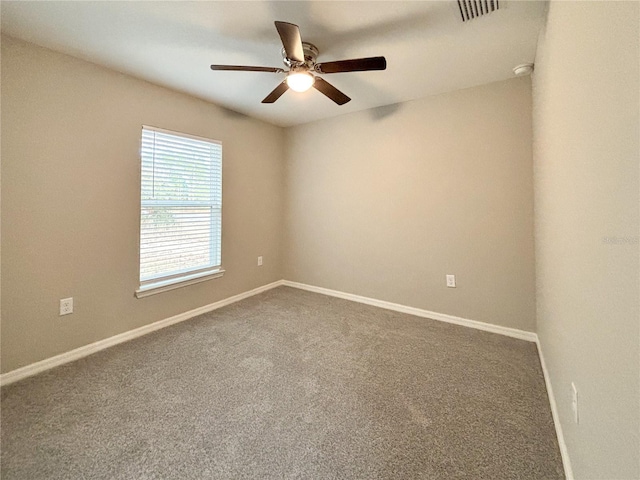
574 402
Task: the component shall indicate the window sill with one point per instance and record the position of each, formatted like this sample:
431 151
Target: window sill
173 283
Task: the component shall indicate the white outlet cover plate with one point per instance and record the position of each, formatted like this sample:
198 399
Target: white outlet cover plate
66 306
451 281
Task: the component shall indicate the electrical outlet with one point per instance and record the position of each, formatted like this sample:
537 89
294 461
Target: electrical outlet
451 281
260 261
574 402
66 306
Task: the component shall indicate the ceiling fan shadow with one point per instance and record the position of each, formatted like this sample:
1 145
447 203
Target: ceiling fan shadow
361 88
384 111
386 30
233 114
190 35
331 40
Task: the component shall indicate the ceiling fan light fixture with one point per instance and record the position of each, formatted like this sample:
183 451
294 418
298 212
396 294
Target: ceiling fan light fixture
300 81
300 57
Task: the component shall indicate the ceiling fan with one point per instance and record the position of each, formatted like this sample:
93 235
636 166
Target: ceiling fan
303 71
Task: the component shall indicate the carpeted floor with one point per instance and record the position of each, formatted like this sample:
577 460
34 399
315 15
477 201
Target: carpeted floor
289 384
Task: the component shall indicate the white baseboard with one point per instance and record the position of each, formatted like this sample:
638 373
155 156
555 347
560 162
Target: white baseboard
564 452
46 364
510 332
418 312
41 366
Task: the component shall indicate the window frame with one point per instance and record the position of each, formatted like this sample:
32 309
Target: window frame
178 279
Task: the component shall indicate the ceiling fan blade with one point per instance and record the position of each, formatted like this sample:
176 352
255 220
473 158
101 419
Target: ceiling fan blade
355 65
291 41
276 93
330 91
240 68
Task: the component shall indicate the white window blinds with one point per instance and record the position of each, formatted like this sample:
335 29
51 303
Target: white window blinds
181 206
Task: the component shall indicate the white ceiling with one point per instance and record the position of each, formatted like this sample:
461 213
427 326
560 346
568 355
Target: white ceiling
429 49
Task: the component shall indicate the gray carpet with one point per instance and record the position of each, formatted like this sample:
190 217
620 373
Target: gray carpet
288 384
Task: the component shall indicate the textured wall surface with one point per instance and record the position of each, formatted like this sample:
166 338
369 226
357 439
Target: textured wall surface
586 157
385 203
71 195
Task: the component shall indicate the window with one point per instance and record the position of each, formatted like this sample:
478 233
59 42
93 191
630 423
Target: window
180 210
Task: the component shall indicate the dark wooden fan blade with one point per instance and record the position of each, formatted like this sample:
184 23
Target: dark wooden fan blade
330 91
291 41
276 93
241 68
355 65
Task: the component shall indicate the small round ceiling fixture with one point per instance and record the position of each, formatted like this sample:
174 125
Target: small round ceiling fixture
524 69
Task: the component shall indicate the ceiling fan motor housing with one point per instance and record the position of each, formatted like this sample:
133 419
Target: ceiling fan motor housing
310 56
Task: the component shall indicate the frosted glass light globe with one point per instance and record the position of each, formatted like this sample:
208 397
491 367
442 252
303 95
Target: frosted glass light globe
300 81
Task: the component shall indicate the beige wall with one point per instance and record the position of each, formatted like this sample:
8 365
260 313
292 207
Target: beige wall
381 203
384 203
586 157
70 201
